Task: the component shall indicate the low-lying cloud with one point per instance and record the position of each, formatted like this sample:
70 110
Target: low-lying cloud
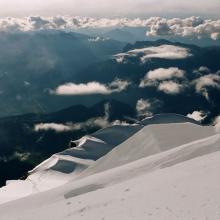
90 88
170 52
203 83
170 87
201 70
146 107
58 127
163 79
174 80
143 108
161 74
188 27
97 122
197 115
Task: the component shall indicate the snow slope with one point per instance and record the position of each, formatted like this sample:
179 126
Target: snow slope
65 166
168 169
153 139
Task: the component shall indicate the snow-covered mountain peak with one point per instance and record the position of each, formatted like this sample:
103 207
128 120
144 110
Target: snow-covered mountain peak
168 118
123 160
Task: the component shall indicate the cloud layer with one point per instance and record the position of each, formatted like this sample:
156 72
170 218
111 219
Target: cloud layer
155 26
188 27
58 127
170 87
91 88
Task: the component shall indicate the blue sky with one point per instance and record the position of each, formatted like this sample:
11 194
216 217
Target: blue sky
167 8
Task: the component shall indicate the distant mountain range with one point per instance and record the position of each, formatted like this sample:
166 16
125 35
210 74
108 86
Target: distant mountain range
133 34
199 65
33 63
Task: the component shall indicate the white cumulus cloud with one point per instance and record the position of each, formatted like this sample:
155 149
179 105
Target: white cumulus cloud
170 87
161 74
91 88
208 81
188 27
161 78
170 52
201 70
197 115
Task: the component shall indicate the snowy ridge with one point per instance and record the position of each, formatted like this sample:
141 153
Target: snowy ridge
151 139
67 165
165 168
168 118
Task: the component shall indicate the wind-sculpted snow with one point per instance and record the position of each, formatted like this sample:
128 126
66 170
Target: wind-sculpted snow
189 173
168 118
168 161
149 164
161 133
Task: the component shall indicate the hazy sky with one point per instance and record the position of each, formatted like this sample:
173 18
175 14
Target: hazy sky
108 8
